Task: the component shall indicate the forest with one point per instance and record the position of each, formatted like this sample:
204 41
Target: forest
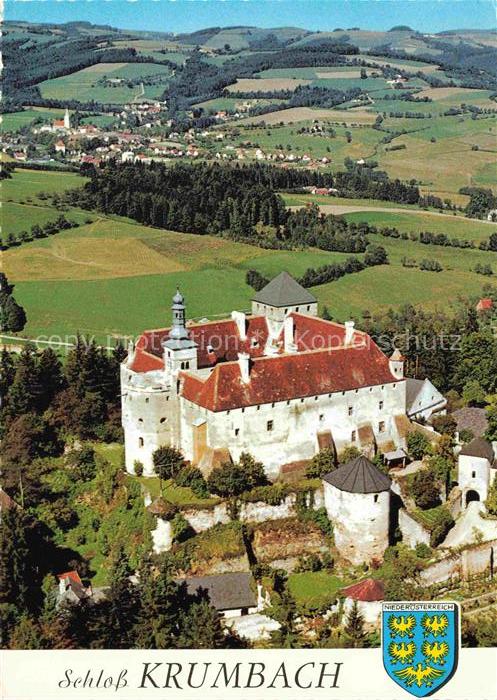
239 202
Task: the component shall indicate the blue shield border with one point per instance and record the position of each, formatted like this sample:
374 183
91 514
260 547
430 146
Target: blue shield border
425 639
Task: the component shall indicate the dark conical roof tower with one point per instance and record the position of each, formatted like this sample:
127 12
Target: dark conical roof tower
359 476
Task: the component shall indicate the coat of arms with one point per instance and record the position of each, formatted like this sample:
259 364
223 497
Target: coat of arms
420 644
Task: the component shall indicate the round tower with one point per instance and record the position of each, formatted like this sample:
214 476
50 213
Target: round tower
357 500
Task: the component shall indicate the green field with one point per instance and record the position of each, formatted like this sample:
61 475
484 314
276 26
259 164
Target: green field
15 120
314 588
115 277
86 85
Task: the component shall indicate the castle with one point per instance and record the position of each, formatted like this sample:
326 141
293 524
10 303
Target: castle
280 383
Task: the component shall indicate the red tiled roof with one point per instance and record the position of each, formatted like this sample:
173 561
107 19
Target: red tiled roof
322 364
290 376
484 304
368 591
73 575
219 341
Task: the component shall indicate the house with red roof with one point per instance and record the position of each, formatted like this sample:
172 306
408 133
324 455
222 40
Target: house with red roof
369 595
485 304
279 383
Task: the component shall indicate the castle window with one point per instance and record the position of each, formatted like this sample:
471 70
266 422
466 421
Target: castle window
243 410
297 309
473 475
308 308
350 410
321 416
288 403
258 408
182 365
237 432
147 400
380 405
163 420
376 498
269 425
140 420
315 398
187 365
227 413
353 436
381 426
140 442
301 400
394 386
272 405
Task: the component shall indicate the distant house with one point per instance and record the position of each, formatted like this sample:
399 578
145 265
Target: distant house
71 588
20 155
423 399
60 146
232 594
492 215
485 304
369 595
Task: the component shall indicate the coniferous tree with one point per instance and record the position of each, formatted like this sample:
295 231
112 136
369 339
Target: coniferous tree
354 626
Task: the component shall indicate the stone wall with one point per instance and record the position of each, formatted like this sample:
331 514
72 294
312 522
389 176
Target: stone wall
472 560
413 533
202 519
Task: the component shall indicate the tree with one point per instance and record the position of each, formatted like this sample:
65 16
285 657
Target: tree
491 433
123 604
26 634
322 463
168 462
445 424
12 315
354 626
418 444
491 502
473 393
375 255
16 572
348 454
424 489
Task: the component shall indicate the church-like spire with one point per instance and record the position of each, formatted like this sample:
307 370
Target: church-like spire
67 119
178 330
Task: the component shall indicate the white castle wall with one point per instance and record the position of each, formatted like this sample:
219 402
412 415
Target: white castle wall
412 532
360 523
202 519
474 474
295 424
149 416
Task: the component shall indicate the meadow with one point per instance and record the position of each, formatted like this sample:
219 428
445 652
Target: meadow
86 84
113 277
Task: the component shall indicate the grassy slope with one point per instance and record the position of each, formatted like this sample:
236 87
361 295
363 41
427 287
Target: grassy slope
115 276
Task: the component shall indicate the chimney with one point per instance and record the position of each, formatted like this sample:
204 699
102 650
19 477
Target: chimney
244 363
349 332
239 318
288 333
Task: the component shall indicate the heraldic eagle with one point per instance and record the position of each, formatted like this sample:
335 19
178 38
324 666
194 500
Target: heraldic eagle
435 624
435 652
403 652
419 675
401 625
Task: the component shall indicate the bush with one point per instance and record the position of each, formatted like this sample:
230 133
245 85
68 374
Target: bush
193 478
422 550
322 463
466 435
347 454
418 444
445 424
138 467
232 479
168 462
443 523
83 463
424 489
